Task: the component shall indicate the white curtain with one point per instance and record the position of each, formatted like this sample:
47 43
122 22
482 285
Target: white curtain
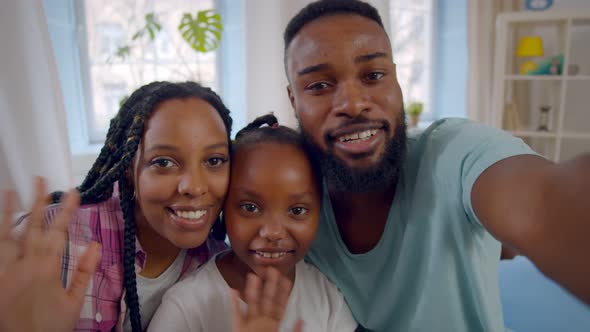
33 132
481 35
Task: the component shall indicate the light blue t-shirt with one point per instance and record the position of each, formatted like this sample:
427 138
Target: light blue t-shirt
435 266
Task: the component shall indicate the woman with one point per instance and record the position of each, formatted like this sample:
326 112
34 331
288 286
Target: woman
150 200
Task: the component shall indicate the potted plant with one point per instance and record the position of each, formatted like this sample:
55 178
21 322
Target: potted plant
414 110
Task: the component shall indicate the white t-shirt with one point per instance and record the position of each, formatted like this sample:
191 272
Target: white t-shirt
202 302
151 290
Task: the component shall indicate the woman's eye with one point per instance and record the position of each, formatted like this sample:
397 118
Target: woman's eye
298 211
162 162
375 76
216 161
248 207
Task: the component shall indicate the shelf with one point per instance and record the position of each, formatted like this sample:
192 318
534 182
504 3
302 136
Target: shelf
534 77
531 133
576 135
578 78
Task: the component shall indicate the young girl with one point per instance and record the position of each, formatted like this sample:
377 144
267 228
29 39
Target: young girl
271 213
167 151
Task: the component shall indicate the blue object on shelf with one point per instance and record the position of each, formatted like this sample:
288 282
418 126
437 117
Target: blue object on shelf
549 66
538 4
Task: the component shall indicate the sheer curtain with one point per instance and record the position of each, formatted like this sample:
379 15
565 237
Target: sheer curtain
33 132
481 34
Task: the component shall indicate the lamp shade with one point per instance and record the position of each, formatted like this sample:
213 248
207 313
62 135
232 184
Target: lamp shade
530 46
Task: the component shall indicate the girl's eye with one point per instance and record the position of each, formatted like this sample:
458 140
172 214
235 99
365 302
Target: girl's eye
216 161
162 163
249 207
375 76
299 211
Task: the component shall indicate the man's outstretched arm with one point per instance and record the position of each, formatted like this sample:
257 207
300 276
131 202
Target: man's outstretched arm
542 210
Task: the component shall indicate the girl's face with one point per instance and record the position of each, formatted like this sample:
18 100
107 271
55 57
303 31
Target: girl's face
181 173
273 206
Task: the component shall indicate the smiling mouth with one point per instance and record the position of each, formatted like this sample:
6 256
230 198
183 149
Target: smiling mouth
271 255
359 136
189 214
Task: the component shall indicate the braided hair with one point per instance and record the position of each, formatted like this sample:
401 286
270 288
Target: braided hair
266 129
116 156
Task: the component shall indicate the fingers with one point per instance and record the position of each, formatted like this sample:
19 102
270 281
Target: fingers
252 294
269 290
38 209
282 296
236 312
84 272
298 326
7 213
69 203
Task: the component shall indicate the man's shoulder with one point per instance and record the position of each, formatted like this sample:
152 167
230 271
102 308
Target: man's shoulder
455 138
447 128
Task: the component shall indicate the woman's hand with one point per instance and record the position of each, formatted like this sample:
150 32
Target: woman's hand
267 300
33 298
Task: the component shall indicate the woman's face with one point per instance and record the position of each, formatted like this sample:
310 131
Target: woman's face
181 172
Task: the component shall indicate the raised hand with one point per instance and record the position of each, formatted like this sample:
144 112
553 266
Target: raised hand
266 299
33 298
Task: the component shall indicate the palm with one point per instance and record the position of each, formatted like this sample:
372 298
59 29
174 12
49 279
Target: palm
33 298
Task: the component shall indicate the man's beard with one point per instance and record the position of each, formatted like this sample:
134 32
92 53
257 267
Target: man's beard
380 177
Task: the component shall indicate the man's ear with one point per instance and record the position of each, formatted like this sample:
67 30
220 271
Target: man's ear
291 98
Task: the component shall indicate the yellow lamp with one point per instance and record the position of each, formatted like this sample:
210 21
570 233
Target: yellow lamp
529 46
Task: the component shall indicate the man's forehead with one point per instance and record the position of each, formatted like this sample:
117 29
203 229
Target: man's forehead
342 35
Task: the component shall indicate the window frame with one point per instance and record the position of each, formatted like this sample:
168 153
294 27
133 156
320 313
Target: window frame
431 8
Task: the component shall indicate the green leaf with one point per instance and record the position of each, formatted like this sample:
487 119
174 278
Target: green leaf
151 25
202 31
123 51
137 35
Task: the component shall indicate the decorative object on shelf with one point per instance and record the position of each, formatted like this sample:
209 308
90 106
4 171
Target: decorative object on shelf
538 4
544 118
573 69
510 118
414 110
529 46
550 66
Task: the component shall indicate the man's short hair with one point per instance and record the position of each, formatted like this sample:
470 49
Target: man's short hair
321 8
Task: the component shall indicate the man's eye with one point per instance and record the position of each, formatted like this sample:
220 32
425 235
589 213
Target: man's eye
318 86
249 207
375 76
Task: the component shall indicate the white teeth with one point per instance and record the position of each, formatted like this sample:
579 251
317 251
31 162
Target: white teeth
362 136
270 254
190 214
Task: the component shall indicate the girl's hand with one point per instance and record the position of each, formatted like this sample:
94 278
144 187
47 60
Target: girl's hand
33 298
266 300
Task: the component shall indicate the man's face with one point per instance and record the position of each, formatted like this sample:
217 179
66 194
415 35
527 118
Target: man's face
345 93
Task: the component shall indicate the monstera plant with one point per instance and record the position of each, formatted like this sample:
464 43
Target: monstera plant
201 31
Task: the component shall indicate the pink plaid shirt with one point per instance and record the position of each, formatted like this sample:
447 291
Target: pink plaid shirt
104 306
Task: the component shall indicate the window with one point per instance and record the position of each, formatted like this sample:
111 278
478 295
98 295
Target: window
412 42
114 64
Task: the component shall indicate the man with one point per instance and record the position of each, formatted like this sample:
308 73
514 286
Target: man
412 226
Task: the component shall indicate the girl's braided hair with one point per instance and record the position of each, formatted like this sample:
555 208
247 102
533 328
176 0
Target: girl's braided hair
266 129
116 156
